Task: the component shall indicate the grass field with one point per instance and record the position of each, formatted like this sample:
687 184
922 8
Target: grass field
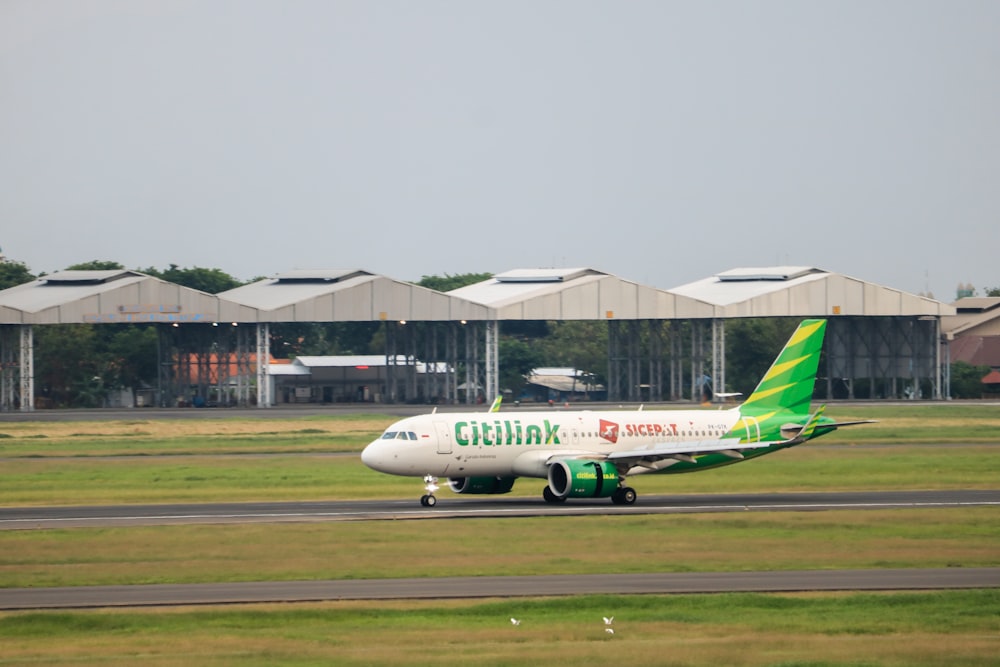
523 546
955 628
46 463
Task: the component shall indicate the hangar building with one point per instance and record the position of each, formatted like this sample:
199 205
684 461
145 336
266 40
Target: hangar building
660 341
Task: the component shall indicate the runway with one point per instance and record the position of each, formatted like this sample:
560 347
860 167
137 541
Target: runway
451 506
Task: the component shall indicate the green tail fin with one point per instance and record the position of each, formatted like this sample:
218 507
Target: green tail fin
788 385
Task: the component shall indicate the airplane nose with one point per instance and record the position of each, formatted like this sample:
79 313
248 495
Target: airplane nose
369 456
376 455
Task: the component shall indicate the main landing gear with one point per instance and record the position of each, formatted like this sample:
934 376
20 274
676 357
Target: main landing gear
623 495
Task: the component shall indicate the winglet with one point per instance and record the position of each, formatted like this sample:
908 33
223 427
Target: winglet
496 404
810 427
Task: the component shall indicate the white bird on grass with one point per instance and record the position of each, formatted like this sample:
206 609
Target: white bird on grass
515 621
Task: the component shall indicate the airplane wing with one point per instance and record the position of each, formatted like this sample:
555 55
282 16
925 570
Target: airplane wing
658 456
652 456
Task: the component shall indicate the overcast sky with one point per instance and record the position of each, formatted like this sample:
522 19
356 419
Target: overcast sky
662 141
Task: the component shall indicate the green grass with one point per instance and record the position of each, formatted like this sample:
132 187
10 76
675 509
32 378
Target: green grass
222 477
954 628
912 424
914 538
288 459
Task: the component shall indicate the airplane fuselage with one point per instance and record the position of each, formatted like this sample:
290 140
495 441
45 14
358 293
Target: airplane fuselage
522 444
589 454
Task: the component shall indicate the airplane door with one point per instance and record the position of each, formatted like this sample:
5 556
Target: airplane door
443 437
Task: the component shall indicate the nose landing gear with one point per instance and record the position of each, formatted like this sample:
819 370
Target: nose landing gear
429 499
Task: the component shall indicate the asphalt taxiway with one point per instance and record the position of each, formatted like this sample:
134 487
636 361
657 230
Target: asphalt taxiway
453 507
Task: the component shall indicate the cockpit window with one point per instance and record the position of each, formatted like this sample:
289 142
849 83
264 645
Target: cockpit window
399 435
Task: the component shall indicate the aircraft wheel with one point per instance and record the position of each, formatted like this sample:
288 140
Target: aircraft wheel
624 496
551 497
428 500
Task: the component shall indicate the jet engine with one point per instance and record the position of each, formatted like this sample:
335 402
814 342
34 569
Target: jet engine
481 484
573 478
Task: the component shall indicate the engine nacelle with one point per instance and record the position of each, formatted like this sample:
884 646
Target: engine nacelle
583 479
481 484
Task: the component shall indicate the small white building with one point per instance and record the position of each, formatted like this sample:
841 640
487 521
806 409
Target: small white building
355 379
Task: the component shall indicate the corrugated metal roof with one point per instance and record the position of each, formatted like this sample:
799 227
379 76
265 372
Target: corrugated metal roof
511 287
976 350
294 287
128 297
542 275
738 285
796 291
766 273
345 360
63 288
977 304
320 275
974 316
351 295
89 277
364 361
576 294
562 379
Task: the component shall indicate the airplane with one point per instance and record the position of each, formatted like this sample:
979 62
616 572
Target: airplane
589 454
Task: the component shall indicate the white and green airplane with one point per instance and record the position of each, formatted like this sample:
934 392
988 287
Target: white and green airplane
589 454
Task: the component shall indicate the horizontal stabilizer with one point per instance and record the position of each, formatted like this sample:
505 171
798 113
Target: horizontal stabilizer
853 423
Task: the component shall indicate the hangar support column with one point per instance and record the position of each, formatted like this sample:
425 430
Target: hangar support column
718 358
27 368
471 362
263 358
676 363
17 374
491 360
8 365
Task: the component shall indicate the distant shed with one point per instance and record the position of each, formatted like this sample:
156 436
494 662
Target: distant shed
973 332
